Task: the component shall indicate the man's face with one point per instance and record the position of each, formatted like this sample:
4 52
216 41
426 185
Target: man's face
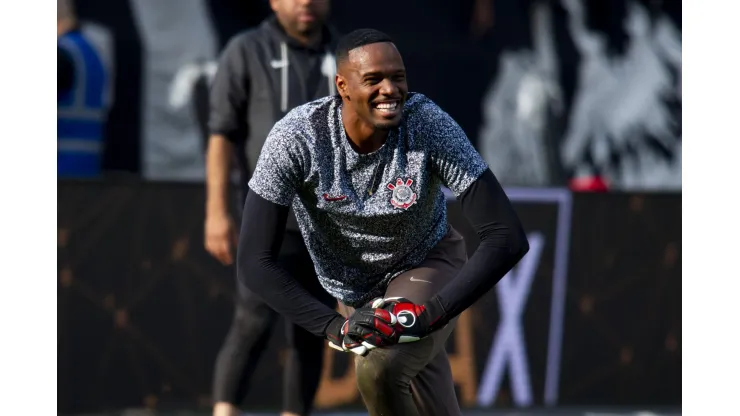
373 83
301 16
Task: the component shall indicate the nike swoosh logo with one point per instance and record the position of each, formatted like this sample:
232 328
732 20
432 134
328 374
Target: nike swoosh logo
419 280
334 198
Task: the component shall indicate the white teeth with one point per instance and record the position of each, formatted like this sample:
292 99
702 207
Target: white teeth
387 106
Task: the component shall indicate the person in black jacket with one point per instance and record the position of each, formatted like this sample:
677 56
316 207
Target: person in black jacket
262 74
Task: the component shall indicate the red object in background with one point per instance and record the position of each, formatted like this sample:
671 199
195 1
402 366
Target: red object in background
588 184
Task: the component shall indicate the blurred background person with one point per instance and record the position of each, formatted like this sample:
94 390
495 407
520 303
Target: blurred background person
82 85
262 74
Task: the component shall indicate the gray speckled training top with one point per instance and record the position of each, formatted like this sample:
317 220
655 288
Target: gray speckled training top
366 218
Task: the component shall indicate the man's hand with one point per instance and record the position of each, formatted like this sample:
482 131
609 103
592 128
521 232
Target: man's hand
414 322
220 237
364 330
336 334
383 323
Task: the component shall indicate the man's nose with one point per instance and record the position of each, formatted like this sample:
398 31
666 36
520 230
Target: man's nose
388 87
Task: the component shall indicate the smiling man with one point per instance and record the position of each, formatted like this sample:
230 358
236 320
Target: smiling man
363 172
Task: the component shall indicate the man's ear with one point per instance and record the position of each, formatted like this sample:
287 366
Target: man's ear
341 84
274 5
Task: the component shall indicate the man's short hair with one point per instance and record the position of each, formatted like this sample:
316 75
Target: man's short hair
357 39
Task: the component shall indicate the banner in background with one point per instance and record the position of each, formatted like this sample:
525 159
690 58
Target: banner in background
622 339
574 88
588 89
178 38
590 316
524 312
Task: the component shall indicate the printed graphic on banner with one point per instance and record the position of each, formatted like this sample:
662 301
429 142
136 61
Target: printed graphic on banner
176 52
516 110
519 336
509 350
619 115
625 123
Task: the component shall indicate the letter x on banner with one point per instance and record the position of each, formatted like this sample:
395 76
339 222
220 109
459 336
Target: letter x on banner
509 350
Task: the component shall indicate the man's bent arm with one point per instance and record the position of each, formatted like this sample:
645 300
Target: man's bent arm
502 244
263 225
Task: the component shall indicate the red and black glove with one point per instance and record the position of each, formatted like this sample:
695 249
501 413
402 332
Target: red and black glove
366 329
414 322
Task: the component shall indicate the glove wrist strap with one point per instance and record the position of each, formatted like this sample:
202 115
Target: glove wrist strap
334 330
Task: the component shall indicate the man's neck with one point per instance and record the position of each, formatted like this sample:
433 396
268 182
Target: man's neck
305 39
363 137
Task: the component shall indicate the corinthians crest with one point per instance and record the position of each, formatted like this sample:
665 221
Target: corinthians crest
403 196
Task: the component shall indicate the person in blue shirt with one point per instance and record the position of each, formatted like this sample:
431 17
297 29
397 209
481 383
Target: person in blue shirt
81 105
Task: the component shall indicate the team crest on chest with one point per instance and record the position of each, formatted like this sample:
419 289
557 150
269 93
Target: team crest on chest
403 196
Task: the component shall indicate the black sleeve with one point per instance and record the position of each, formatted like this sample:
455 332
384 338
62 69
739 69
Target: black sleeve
260 237
229 93
502 244
65 71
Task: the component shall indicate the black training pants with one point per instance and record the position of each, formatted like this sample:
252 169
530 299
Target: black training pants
250 332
